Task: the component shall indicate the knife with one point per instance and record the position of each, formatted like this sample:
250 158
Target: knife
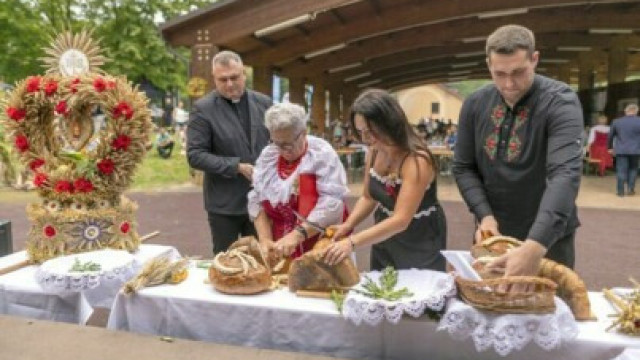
313 225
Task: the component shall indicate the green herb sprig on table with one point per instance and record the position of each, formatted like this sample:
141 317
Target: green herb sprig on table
386 290
84 267
338 298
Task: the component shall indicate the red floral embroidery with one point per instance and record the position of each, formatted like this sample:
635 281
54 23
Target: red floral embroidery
61 108
22 143
514 147
50 87
40 179
36 163
49 231
33 84
74 85
63 186
99 84
16 114
123 109
122 142
106 166
125 227
83 185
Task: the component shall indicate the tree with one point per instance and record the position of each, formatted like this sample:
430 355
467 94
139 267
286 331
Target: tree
126 29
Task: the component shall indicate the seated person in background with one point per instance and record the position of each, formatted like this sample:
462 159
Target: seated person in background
164 143
296 172
452 136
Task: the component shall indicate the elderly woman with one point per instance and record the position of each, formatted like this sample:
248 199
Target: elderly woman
296 172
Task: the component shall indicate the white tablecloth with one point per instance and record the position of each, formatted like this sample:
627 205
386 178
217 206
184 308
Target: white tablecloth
21 295
280 320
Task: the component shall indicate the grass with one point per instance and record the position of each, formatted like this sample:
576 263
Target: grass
156 172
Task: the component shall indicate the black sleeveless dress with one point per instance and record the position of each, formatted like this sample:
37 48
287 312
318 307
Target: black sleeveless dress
420 244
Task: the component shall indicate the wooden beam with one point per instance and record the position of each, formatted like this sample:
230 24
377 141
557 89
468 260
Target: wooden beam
552 21
240 18
336 14
401 16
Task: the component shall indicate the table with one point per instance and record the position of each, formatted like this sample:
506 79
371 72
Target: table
21 295
280 320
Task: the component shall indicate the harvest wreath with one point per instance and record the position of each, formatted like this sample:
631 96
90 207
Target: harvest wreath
80 168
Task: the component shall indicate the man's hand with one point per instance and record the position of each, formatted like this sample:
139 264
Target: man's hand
487 224
521 261
246 170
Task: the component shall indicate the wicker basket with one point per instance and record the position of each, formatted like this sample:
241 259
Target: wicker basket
485 295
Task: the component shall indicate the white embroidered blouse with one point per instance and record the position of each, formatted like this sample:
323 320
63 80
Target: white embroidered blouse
320 160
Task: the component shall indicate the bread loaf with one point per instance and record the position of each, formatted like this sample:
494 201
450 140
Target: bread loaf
309 272
242 269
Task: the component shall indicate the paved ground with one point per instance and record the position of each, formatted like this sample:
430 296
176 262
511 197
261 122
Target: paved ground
607 242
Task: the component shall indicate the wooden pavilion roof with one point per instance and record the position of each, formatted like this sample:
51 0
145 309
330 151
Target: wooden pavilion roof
400 43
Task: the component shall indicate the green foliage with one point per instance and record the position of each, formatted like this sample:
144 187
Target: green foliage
156 172
127 31
386 289
465 88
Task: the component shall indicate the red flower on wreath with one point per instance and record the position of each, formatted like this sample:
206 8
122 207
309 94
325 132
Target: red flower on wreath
125 227
16 114
106 166
63 186
61 108
50 87
36 163
49 231
99 84
83 185
22 143
111 85
123 108
40 179
33 84
122 142
74 85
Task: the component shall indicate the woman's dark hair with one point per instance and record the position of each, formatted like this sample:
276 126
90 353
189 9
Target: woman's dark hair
385 117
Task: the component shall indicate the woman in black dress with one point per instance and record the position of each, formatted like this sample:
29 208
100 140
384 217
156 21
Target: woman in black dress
400 185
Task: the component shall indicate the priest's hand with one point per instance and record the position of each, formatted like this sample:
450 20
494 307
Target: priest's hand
246 170
488 225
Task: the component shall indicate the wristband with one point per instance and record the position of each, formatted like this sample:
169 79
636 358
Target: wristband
302 231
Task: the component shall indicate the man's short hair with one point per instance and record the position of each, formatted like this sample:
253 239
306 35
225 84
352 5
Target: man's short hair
631 109
225 58
508 39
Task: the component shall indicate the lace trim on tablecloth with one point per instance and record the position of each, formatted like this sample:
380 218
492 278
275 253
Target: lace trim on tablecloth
506 333
430 289
56 278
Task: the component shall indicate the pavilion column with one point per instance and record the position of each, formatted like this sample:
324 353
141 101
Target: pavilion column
318 112
200 67
334 105
296 91
586 80
263 79
617 69
564 73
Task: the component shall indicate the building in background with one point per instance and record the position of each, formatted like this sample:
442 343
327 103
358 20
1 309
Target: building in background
430 102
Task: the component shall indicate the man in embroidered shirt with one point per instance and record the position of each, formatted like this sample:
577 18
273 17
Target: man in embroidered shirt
518 158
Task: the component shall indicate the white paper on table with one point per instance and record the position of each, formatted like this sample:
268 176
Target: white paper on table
461 262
